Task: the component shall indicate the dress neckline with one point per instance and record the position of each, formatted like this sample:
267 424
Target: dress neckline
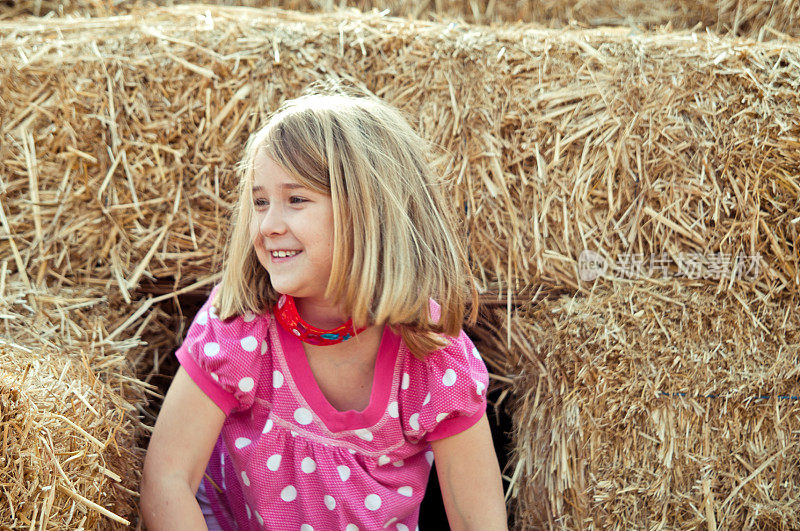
336 420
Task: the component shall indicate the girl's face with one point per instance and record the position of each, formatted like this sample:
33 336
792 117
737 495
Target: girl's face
289 217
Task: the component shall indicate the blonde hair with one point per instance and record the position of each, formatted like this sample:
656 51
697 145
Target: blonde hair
395 243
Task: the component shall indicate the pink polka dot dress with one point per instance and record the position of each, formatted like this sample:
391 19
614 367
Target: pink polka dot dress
287 459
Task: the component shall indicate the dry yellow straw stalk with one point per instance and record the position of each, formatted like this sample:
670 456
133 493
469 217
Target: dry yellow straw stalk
68 414
551 142
760 19
663 405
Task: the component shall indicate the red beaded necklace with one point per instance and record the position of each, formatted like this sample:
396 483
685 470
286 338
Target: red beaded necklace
287 316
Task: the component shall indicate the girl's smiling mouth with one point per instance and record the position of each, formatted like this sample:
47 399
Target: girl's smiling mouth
282 256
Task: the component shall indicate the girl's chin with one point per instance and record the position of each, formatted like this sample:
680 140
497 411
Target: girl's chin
286 288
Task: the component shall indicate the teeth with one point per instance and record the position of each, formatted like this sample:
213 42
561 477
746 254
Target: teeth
283 254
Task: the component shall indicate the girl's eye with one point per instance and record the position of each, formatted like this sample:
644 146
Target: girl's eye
259 202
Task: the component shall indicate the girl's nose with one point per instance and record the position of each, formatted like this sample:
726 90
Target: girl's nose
272 222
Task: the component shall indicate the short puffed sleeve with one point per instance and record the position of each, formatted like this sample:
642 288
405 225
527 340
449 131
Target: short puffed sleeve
445 393
223 357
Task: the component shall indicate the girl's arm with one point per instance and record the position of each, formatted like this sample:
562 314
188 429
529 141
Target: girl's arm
180 447
469 476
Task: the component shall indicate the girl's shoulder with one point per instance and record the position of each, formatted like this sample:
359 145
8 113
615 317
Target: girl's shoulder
235 322
459 353
455 352
445 392
226 357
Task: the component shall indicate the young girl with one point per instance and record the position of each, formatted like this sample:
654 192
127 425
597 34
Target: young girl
328 369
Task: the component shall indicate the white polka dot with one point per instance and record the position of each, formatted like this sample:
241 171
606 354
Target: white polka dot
215 376
399 463
402 527
476 353
249 343
405 491
449 377
393 411
427 399
289 493
330 503
274 462
479 387
364 434
246 384
248 317
245 479
429 457
263 347
202 318
306 527
383 460
267 426
277 379
441 416
414 421
390 522
308 465
351 527
241 442
249 514
211 349
406 381
344 472
372 502
260 520
303 416
212 312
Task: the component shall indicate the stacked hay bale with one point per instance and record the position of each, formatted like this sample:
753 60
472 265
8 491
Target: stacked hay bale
657 405
118 174
761 19
551 142
69 406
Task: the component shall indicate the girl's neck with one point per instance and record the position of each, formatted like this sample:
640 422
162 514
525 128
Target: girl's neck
320 314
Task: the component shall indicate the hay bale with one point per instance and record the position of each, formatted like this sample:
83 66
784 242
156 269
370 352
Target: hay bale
754 18
551 142
656 405
69 411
